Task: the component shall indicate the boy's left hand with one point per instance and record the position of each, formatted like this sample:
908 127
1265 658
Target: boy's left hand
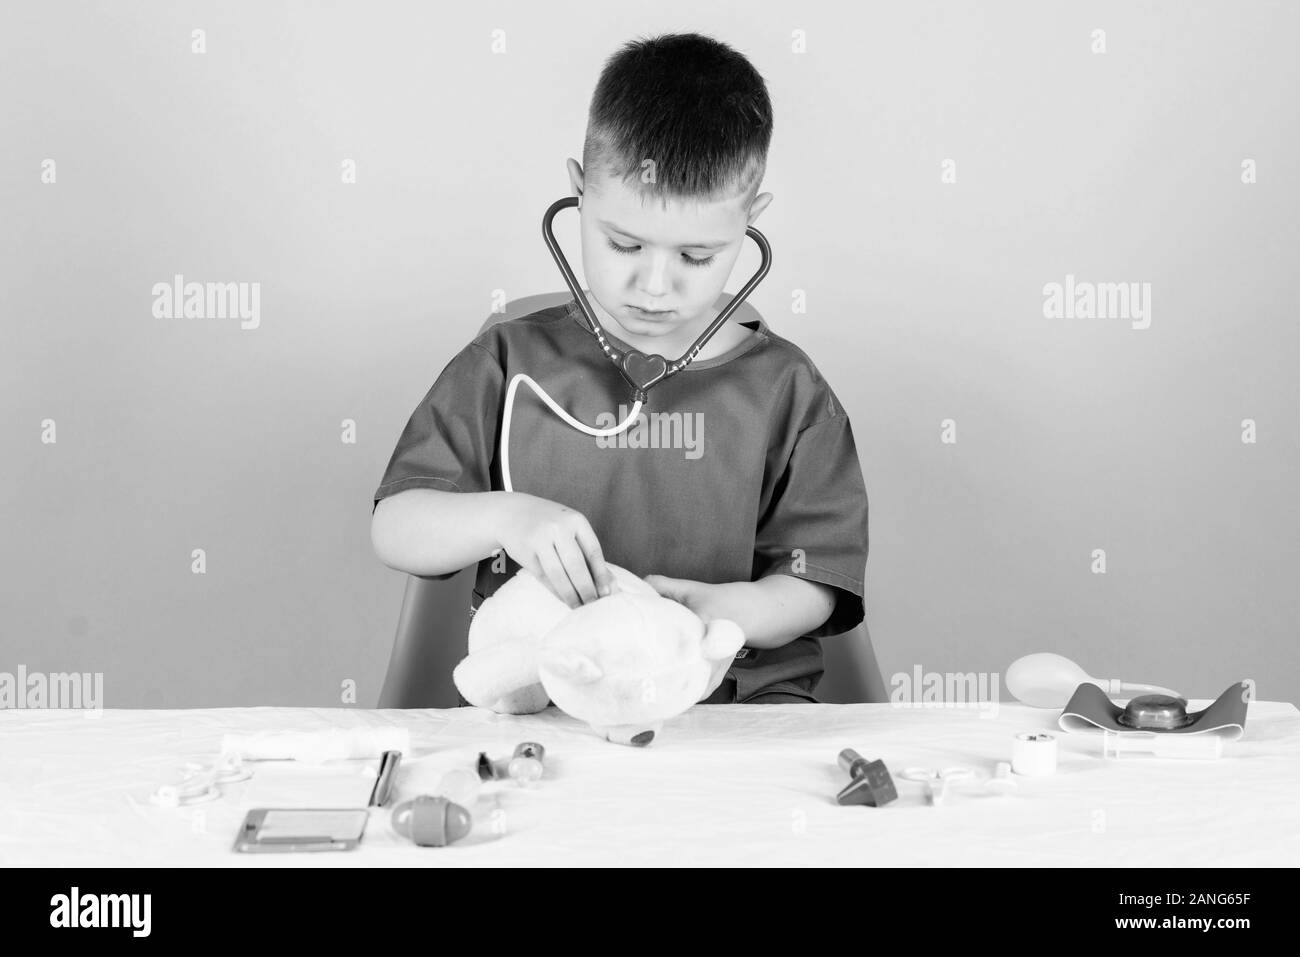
709 601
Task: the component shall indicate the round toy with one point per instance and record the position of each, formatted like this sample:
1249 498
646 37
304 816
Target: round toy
431 821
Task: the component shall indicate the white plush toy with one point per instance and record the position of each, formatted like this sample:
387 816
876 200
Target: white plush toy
625 663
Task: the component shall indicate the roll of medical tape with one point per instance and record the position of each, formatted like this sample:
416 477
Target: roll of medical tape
1033 754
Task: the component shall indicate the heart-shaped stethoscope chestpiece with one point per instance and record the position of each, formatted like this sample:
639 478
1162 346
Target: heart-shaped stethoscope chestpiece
642 371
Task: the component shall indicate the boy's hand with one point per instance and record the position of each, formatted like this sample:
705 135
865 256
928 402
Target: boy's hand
709 602
556 544
725 600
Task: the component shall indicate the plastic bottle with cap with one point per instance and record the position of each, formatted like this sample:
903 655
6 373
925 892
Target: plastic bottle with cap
526 766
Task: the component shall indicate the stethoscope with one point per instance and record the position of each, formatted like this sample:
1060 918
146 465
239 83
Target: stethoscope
641 371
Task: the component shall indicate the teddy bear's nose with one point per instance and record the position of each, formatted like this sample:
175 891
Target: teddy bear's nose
642 739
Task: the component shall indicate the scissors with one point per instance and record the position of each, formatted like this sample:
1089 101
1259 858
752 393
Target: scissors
936 782
198 782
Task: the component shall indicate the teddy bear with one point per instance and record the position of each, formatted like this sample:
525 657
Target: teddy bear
624 663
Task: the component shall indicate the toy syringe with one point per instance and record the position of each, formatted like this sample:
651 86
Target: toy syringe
1137 744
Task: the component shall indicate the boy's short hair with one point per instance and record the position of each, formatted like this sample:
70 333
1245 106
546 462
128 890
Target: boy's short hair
689 103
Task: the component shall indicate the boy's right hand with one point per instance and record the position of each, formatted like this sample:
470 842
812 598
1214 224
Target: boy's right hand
557 545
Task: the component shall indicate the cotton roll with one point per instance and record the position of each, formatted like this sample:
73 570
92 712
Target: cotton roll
317 746
1033 754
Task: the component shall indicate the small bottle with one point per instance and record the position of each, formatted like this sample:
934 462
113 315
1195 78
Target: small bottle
526 766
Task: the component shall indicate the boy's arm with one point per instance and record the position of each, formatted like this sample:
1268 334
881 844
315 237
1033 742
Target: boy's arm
425 531
773 611
777 609
430 532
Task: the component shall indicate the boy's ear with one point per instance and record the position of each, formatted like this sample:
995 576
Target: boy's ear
575 177
759 204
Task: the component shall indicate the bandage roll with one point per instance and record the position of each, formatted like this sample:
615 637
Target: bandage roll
1033 754
317 746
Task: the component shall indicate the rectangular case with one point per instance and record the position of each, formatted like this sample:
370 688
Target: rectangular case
278 830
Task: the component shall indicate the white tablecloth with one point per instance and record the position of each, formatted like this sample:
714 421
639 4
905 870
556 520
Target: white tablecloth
723 784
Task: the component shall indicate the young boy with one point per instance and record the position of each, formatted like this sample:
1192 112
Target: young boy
762 517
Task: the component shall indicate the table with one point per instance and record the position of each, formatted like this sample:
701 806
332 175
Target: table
721 785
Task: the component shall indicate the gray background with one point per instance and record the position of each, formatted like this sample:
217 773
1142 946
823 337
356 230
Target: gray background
925 303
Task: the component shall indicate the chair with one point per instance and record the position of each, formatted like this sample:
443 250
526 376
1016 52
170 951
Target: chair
433 625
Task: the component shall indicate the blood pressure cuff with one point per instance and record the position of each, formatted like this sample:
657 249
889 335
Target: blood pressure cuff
1090 710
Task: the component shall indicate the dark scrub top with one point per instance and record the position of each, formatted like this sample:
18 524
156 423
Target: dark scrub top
738 467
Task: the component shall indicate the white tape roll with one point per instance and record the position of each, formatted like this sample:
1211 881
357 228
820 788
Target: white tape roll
1033 754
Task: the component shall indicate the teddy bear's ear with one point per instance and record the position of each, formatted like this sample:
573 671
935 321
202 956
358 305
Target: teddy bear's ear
722 639
574 667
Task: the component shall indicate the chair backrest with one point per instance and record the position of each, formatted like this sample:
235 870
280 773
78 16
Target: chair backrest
433 626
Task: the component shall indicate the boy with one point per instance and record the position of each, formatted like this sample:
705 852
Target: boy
763 520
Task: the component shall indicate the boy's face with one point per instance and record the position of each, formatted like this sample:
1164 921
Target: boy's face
673 261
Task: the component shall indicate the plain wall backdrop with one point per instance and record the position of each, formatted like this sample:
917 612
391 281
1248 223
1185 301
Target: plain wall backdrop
925 303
